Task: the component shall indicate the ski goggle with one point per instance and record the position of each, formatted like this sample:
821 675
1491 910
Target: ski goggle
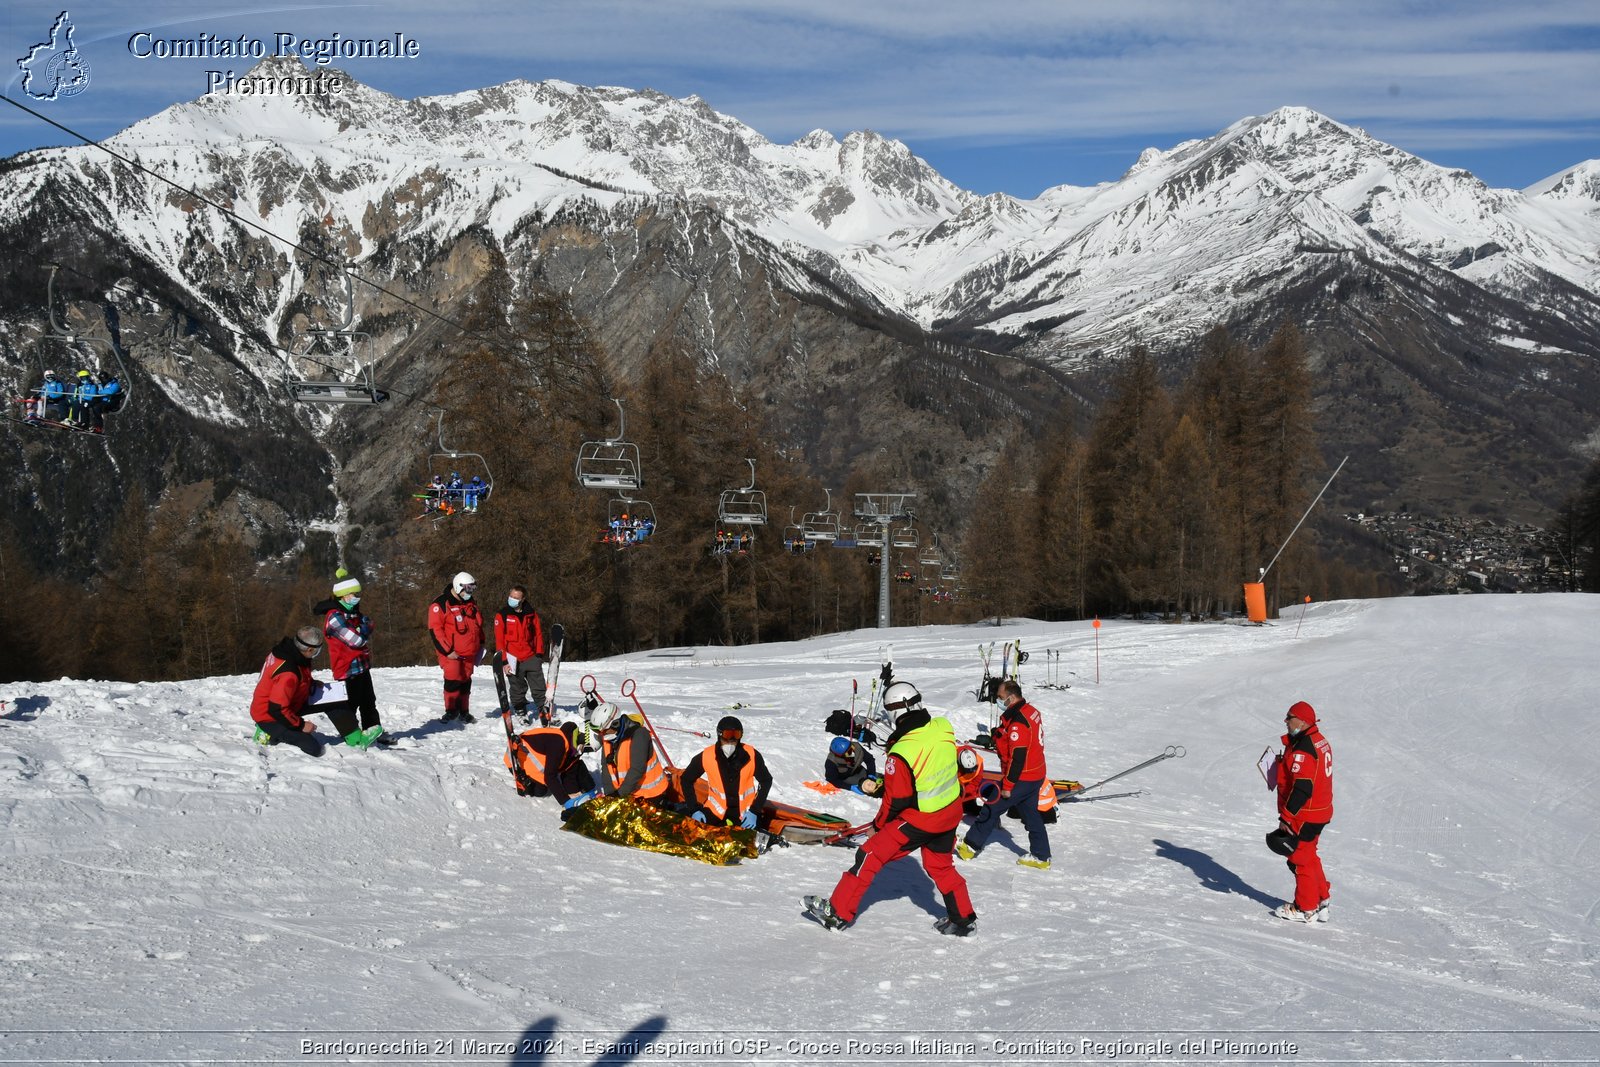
731 735
470 587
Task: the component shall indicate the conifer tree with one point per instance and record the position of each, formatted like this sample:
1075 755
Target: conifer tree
1125 460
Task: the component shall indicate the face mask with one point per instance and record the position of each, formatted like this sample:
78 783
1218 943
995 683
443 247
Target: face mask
350 602
512 601
727 749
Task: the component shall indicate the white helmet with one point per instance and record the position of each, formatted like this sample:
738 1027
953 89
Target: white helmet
463 585
967 760
900 698
602 716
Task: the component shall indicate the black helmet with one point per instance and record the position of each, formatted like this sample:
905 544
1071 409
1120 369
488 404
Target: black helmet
730 729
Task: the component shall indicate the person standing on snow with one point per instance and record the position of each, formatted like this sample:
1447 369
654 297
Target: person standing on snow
519 651
1019 740
921 809
456 628
349 634
1305 806
736 774
284 690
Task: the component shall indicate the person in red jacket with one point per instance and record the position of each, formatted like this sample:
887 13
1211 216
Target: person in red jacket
1019 740
349 634
456 629
923 786
285 688
1305 806
520 652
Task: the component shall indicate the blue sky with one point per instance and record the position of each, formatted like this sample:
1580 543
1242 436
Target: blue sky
998 96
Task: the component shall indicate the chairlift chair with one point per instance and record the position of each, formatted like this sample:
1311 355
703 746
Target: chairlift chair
612 463
63 335
743 507
929 557
904 537
629 522
869 535
736 541
950 573
821 525
794 537
464 501
341 343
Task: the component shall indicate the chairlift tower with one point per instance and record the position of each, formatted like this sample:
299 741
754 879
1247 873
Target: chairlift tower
884 509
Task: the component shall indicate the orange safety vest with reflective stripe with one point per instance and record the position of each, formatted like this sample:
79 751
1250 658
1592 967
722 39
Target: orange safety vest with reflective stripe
654 780
533 761
717 802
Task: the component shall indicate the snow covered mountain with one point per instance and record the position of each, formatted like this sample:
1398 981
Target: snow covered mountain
1162 250
1436 309
176 893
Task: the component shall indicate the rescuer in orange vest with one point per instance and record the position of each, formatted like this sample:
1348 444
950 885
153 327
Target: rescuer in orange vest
736 774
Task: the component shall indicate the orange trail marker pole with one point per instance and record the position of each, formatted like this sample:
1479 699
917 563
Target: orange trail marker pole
1097 650
1302 617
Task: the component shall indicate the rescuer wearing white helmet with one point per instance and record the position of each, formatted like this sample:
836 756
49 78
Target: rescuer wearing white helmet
456 627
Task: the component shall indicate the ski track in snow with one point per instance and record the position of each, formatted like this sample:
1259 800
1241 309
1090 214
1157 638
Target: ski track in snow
163 873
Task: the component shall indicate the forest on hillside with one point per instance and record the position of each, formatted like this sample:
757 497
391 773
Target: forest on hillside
1164 503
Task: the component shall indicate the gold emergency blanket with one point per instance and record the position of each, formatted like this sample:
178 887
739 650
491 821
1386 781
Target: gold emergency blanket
620 821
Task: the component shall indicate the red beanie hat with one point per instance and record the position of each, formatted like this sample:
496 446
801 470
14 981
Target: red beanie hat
1304 712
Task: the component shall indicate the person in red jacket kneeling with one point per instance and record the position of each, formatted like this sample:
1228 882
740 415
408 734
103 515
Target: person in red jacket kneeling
285 693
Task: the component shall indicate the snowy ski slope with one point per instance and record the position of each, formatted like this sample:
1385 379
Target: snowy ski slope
174 893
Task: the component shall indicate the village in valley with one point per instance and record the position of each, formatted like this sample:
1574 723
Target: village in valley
1472 555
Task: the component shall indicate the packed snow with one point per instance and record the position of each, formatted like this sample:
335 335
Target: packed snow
176 893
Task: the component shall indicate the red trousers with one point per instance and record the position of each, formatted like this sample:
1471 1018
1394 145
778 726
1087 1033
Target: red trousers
457 682
897 841
1310 883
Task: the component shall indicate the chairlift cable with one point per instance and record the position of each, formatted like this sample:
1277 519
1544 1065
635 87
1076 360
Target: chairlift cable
142 169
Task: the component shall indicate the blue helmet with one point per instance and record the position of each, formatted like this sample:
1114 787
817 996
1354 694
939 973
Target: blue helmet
839 746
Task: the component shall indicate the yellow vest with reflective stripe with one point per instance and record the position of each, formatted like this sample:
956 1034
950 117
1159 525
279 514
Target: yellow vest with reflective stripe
930 752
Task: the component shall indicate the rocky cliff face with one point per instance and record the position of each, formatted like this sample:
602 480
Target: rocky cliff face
864 298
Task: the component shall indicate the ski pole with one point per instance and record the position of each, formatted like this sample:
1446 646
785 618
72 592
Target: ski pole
1170 752
630 690
1107 796
680 730
833 839
1097 650
1302 616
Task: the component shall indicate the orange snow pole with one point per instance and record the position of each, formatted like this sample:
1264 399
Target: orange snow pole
1255 601
1302 616
1097 650
630 689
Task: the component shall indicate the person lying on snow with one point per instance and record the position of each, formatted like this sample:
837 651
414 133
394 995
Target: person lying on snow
850 766
736 774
